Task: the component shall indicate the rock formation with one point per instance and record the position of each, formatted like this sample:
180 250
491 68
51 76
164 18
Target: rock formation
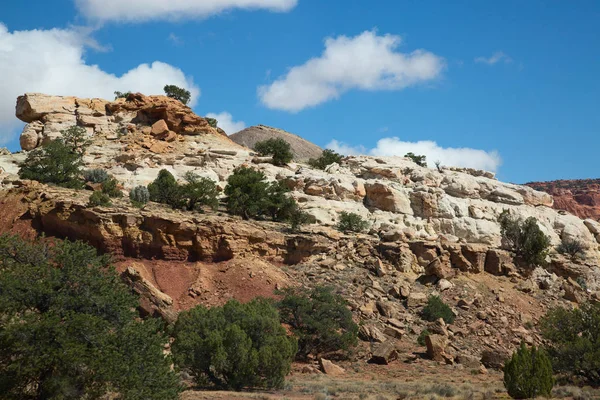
431 232
301 148
579 197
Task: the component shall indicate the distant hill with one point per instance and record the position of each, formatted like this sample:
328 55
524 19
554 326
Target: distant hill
580 197
302 149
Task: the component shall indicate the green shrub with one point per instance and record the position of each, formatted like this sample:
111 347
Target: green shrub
351 222
197 192
573 337
421 339
298 218
571 247
121 95
327 158
321 320
58 162
419 160
249 195
110 187
139 196
212 122
69 328
525 238
99 199
278 148
528 374
95 175
178 93
164 189
436 309
235 346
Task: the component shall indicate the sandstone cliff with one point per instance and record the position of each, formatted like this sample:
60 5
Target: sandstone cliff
431 232
580 197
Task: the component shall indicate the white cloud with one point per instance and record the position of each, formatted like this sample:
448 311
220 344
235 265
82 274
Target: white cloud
494 58
448 156
226 122
147 10
52 62
366 62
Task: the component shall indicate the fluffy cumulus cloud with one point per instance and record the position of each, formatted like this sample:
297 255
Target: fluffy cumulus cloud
448 156
52 62
147 10
366 62
495 58
226 122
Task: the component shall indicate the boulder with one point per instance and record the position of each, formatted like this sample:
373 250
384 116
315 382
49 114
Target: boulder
495 357
153 301
330 368
160 128
384 353
385 198
469 361
371 333
436 346
499 262
416 299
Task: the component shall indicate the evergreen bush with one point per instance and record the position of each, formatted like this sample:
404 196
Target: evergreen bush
320 319
525 238
419 160
99 199
178 93
573 337
327 158
436 309
351 222
236 346
528 374
58 162
278 148
69 329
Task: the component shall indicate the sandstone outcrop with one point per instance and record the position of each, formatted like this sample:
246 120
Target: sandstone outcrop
579 197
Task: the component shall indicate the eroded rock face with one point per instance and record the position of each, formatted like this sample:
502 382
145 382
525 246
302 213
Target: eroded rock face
579 197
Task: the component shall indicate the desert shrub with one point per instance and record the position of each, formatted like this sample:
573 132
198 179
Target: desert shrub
421 339
178 93
212 122
573 337
121 95
298 218
164 189
58 162
525 238
327 158
110 187
320 319
528 374
197 192
95 175
351 222
570 247
277 148
139 196
419 160
436 309
99 199
249 195
69 329
235 346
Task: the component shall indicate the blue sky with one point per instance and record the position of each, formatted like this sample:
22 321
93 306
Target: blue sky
515 82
